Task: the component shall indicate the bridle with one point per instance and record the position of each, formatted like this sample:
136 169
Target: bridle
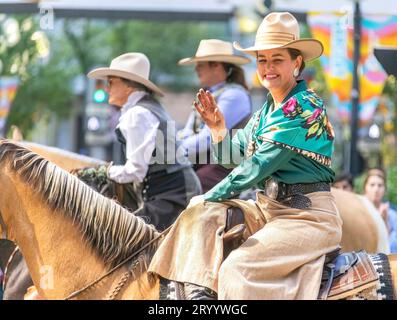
113 292
3 228
4 237
7 267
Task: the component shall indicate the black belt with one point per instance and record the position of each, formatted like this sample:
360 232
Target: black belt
294 194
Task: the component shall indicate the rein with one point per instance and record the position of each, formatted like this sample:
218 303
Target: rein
3 228
7 266
77 292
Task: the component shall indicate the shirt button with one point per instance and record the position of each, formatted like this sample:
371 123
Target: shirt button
144 191
144 199
145 180
232 192
219 199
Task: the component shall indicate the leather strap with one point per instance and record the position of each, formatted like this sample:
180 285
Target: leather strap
3 228
288 190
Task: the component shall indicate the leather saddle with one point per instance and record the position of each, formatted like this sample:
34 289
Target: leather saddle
234 230
344 274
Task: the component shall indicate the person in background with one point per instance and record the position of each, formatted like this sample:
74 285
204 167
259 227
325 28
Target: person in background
219 72
375 190
160 180
344 182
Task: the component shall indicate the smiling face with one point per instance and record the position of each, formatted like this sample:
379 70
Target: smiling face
275 69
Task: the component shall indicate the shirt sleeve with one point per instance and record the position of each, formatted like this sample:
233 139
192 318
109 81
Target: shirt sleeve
139 127
230 152
265 161
235 106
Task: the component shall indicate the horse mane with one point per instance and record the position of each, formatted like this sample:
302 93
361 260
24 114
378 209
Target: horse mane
64 153
114 232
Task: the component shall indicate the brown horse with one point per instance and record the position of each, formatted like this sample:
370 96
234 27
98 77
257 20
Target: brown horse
65 231
17 276
68 231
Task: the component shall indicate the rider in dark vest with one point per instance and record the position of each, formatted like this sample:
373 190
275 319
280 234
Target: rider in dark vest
157 177
219 72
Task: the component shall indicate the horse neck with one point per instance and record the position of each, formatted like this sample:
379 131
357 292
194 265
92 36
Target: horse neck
51 245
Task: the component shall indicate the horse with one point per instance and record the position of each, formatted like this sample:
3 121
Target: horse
65 230
75 241
17 275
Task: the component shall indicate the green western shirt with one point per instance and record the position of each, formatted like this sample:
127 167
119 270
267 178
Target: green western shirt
269 160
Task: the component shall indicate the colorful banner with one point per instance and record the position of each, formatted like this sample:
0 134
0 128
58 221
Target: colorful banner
8 90
336 34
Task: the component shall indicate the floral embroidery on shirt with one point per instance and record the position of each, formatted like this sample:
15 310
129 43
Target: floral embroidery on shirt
292 108
315 121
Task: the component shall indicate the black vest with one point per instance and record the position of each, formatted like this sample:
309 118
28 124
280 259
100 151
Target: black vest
168 155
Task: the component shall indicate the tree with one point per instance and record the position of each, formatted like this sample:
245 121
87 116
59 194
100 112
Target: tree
80 45
165 43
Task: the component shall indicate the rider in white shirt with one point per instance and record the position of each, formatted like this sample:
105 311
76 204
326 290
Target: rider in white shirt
156 174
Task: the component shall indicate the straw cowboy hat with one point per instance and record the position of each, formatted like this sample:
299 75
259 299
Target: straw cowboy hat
133 66
281 30
215 50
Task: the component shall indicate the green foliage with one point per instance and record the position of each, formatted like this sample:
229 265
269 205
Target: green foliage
358 184
86 43
80 45
44 93
17 45
392 184
165 43
389 137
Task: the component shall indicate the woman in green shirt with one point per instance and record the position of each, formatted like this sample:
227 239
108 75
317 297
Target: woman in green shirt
285 150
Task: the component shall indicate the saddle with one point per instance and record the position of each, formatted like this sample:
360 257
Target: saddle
234 230
344 274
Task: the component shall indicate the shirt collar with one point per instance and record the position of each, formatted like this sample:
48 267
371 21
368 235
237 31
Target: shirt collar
300 86
132 100
216 86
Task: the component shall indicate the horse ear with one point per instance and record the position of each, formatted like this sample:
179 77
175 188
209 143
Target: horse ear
16 134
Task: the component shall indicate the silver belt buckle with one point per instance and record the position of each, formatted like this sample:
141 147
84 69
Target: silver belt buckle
271 188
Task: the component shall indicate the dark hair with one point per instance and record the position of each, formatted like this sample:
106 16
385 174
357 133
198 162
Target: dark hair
295 53
136 85
235 74
345 176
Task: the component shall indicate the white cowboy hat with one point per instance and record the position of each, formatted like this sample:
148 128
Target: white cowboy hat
281 30
215 50
133 66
